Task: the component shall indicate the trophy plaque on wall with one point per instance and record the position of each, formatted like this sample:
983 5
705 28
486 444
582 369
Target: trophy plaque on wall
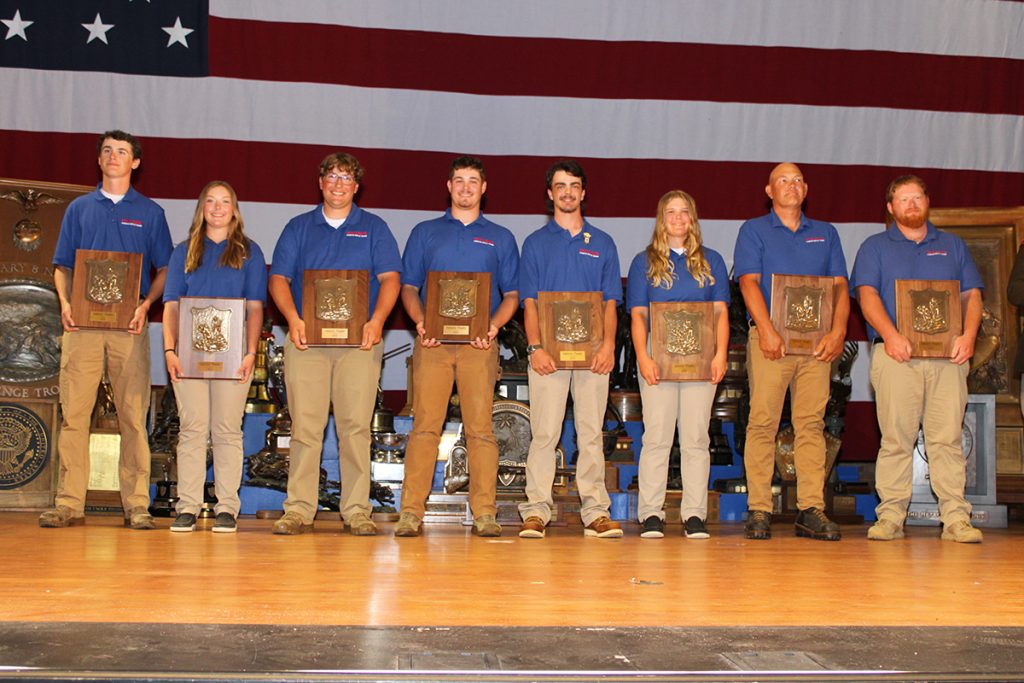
683 339
211 337
571 327
458 306
928 315
335 306
801 310
105 289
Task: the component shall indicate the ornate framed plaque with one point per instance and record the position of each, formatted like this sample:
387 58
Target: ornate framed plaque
335 306
105 288
571 327
211 337
928 314
458 306
801 310
683 339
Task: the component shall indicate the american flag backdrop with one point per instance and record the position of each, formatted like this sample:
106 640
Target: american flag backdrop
650 95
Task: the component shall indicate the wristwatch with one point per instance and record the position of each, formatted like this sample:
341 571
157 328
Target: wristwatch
531 348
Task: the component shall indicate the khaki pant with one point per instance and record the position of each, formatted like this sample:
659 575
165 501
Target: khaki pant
475 371
82 358
807 379
316 378
548 395
928 393
666 405
210 409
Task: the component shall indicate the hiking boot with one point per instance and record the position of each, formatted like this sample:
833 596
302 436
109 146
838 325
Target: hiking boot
884 530
138 518
694 527
961 532
360 524
533 527
291 524
408 525
184 523
812 523
759 525
652 527
60 516
224 523
486 526
602 527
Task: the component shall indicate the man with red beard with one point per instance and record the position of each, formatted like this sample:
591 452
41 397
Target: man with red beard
915 392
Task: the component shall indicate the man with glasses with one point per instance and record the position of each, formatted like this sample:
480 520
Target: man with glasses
337 235
785 241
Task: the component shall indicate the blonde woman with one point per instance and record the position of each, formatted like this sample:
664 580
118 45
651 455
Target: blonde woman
217 260
676 266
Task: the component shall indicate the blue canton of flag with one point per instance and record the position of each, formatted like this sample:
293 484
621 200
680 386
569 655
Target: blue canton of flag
154 37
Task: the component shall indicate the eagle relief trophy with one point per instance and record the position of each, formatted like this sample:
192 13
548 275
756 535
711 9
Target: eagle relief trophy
211 337
801 310
683 339
458 306
335 306
571 327
928 315
105 288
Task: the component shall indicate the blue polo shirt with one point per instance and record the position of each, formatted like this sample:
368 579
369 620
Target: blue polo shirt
554 261
136 225
888 256
765 246
212 279
363 242
640 292
444 243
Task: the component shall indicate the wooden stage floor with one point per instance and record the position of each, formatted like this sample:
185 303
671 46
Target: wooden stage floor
789 594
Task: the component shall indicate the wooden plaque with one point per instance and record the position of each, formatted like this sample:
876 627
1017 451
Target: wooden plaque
683 339
105 289
928 314
458 306
571 327
211 337
801 310
335 306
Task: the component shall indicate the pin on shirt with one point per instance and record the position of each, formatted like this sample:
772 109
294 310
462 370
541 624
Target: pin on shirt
586 238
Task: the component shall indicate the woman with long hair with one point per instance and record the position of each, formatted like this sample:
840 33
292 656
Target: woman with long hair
676 266
217 260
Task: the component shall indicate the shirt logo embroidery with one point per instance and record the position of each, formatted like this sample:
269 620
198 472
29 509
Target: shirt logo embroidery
813 240
481 240
352 233
131 222
935 252
591 254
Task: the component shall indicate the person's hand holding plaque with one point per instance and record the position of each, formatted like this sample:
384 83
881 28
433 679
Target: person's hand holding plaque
297 333
830 346
772 345
604 359
373 332
484 343
648 369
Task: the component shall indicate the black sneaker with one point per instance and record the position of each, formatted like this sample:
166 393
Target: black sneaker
812 523
694 528
224 523
184 523
759 525
652 527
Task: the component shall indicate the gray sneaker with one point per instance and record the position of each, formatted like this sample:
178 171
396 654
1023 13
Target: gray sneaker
291 524
139 518
486 526
360 524
408 525
224 523
184 523
60 516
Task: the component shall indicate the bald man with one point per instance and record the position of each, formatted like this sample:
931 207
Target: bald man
786 242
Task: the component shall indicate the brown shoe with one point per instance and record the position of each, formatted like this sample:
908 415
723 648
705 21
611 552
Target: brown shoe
486 526
961 532
533 527
60 516
291 524
602 527
360 524
139 518
408 525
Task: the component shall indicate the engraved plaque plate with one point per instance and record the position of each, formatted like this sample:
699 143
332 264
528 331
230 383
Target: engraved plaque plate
335 306
928 315
801 310
458 306
211 337
683 339
571 327
105 288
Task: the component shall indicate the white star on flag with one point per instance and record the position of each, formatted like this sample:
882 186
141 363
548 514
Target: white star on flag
16 26
177 33
97 29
